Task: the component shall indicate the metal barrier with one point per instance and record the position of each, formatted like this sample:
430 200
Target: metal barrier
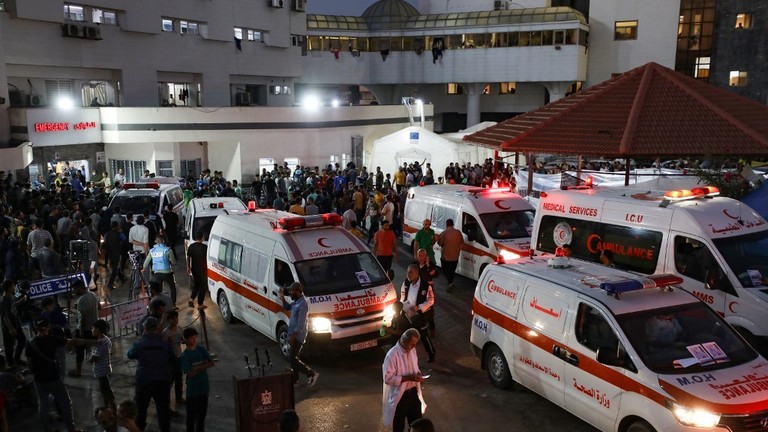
124 318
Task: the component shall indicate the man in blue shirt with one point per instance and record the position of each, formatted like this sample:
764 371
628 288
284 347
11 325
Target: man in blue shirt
297 332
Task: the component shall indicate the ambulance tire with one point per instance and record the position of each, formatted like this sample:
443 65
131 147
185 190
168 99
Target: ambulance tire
283 341
640 426
497 368
225 308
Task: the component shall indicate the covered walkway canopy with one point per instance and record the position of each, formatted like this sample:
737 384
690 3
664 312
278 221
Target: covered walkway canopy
649 111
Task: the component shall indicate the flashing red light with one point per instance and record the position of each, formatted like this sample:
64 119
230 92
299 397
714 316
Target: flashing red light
221 205
292 223
252 206
331 219
543 195
589 181
559 251
499 259
154 185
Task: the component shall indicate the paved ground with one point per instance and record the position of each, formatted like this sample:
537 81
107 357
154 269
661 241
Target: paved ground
348 395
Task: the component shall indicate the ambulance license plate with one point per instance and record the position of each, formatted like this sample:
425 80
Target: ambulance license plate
362 345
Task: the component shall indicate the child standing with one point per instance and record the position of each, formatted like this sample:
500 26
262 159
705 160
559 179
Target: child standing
102 363
195 361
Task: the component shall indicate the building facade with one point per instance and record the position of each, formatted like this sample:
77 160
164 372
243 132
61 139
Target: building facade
182 61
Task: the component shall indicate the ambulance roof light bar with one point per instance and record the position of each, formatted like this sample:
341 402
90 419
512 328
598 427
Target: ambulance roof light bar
252 206
688 194
215 205
153 185
618 287
300 222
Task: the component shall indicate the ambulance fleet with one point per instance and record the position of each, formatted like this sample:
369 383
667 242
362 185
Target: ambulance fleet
644 344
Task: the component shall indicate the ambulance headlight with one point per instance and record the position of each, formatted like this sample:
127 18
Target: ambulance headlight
693 416
320 325
389 313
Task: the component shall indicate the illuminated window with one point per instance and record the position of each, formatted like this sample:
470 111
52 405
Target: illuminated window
737 78
167 25
743 21
625 30
507 88
701 70
238 33
74 13
254 35
103 16
189 27
454 89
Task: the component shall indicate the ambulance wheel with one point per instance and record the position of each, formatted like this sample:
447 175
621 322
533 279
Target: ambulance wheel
226 310
640 426
497 368
284 341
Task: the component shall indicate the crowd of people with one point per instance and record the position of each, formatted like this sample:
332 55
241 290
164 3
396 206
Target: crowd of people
62 225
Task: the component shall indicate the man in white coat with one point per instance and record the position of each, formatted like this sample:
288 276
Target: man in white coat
402 383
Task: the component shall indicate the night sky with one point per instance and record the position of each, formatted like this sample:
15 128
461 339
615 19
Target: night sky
341 7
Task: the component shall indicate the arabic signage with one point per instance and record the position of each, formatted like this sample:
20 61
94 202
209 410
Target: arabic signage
259 401
545 312
131 312
48 287
51 127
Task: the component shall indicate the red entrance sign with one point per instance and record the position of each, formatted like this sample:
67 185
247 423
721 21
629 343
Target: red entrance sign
63 126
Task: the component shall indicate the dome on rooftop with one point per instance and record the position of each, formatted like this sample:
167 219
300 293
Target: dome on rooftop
389 14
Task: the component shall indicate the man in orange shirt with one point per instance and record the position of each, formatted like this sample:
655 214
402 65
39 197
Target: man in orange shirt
385 246
451 241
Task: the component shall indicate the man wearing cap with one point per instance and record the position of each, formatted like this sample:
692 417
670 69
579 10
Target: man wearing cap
162 259
41 352
153 358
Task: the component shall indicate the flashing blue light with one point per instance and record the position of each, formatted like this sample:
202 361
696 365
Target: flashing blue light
621 286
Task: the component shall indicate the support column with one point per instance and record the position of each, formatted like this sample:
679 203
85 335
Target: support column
473 90
557 89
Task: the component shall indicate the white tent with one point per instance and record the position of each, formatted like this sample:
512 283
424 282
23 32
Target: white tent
415 143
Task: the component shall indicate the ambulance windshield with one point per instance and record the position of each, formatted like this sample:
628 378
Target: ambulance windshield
204 225
684 339
508 225
340 273
136 202
747 256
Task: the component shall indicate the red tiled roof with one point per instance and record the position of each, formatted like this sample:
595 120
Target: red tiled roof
648 111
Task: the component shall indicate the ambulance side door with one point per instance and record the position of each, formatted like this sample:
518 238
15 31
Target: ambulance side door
256 301
591 390
281 276
475 246
702 275
543 314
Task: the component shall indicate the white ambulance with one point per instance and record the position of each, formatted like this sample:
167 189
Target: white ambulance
623 352
253 256
202 212
719 246
496 223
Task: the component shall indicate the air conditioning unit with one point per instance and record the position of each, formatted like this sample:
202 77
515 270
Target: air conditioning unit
242 99
71 30
276 3
499 5
35 101
300 5
92 33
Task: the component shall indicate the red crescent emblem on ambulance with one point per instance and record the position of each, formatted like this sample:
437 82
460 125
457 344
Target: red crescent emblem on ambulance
731 305
497 203
321 240
725 212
